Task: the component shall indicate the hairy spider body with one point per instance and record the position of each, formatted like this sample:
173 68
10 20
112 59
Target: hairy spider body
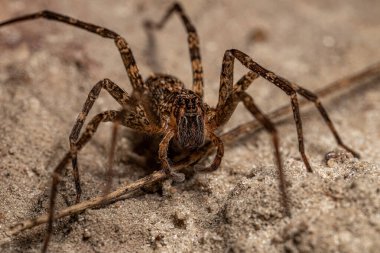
162 106
170 110
180 108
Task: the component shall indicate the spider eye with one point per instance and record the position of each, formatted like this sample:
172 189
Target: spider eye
181 101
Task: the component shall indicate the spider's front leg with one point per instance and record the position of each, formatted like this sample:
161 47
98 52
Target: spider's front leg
163 156
180 177
291 89
230 96
218 143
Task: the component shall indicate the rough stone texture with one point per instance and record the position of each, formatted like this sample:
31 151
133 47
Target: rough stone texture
47 70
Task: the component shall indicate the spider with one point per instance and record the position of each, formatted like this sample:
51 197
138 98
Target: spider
161 106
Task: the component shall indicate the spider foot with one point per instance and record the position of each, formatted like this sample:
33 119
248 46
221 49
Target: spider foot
177 177
354 153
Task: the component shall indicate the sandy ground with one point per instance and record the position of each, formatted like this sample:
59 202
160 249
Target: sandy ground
47 70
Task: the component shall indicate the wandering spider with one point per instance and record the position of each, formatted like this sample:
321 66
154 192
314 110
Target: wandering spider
162 106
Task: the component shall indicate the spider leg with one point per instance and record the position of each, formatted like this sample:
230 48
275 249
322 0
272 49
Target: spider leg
132 116
227 103
119 94
85 137
227 98
193 41
218 157
163 157
76 145
228 107
314 98
122 45
133 119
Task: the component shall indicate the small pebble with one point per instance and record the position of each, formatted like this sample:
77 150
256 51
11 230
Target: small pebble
86 234
11 151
